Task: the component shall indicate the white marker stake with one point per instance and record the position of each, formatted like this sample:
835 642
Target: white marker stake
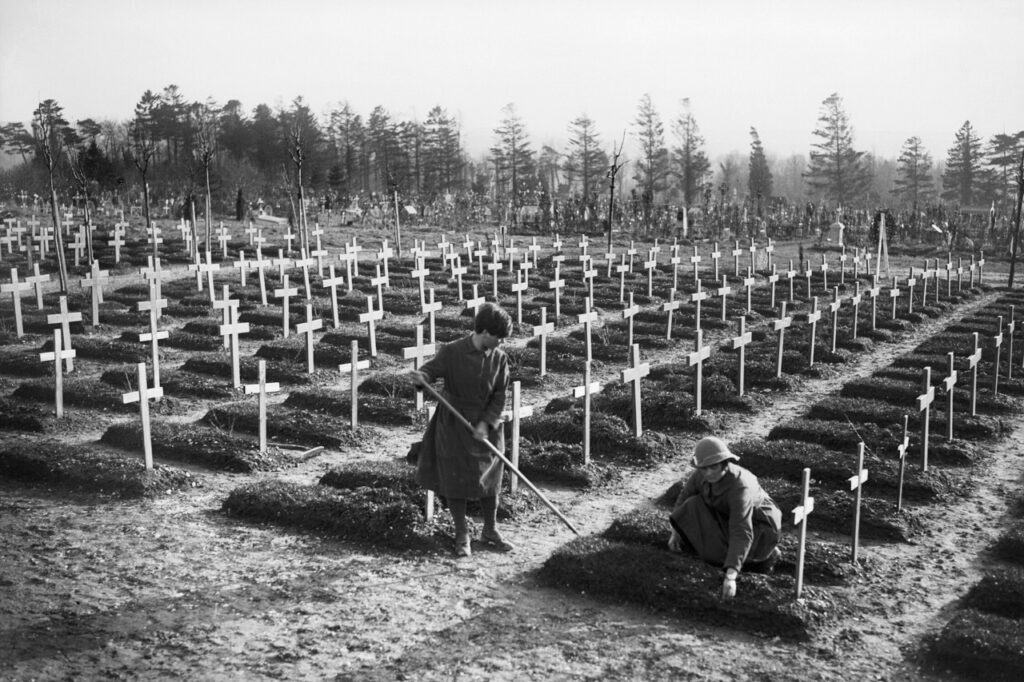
142 397
856 483
800 515
263 388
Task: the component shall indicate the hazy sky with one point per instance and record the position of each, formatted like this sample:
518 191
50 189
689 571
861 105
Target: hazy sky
902 67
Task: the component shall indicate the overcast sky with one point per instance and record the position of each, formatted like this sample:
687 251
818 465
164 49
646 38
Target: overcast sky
902 67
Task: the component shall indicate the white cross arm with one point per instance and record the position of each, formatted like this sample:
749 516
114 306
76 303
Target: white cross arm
64 355
270 387
162 334
696 356
949 382
580 391
419 351
524 411
151 393
634 373
857 480
926 398
801 512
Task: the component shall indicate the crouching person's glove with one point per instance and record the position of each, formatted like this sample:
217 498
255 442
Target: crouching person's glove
729 583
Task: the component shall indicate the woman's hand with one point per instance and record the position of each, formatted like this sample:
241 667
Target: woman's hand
481 431
729 584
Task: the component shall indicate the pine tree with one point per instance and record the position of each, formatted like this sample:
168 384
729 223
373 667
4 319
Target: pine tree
1001 159
963 166
692 165
759 181
913 185
511 154
585 159
836 169
651 169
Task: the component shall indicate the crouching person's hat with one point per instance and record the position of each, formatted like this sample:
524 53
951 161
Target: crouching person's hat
710 451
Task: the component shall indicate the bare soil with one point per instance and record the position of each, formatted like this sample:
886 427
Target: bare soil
101 588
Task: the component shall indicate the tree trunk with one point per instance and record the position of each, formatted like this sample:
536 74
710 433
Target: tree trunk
209 217
88 229
1016 225
58 237
145 213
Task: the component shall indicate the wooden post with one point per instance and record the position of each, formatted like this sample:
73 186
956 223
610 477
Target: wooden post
622 269
911 283
948 383
695 259
1010 328
780 325
874 292
736 253
331 284
420 273
515 415
418 355
894 294
56 357
748 282
557 283
542 330
695 298
833 308
773 279
585 391
629 313
697 357
740 342
855 300
458 270
812 319
800 515
791 276
824 273
998 345
353 369
724 292
856 483
924 402
262 388
587 319
519 287
636 372
649 266
670 307
142 397
494 267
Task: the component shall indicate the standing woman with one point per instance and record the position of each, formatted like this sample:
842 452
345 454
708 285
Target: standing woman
454 462
724 516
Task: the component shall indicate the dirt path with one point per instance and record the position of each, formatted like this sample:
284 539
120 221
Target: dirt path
171 588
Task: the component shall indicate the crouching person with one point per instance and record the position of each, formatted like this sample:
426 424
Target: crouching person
724 516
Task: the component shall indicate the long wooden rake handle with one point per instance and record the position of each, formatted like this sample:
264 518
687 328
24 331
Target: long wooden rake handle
497 453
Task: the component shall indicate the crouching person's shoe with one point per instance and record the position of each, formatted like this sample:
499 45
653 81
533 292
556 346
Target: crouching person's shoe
765 565
492 538
463 549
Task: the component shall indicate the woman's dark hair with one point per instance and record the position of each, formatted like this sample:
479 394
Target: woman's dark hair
491 318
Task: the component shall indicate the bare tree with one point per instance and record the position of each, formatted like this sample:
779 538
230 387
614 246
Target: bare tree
204 123
51 133
142 147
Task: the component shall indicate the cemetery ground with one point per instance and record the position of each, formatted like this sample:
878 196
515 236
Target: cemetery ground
112 572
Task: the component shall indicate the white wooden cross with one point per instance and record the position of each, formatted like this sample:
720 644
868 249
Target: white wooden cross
305 262
587 318
224 305
715 256
629 313
320 252
695 298
769 250
476 301
674 260
208 268
780 325
972 362
585 391
894 294
154 335
79 245
262 389
670 306
230 331
874 292
420 273
753 254
959 275
697 357
557 283
429 309
981 267
902 449
808 274
589 274
153 274
289 237
243 266
748 282
352 368
824 272
736 253
542 330
812 319
519 287
142 397
352 256
556 245
855 302
64 319
307 328
1010 328
800 515
724 292
791 276
773 279
842 266
383 256
622 269
223 236
633 374
609 261
370 317
534 249
260 265
649 265
740 342
15 287
514 415
154 238
285 293
630 253
36 280
479 254
911 282
418 354
948 383
56 357
973 267
833 308
251 231
331 284
494 267
117 241
524 267
997 341
857 482
924 402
